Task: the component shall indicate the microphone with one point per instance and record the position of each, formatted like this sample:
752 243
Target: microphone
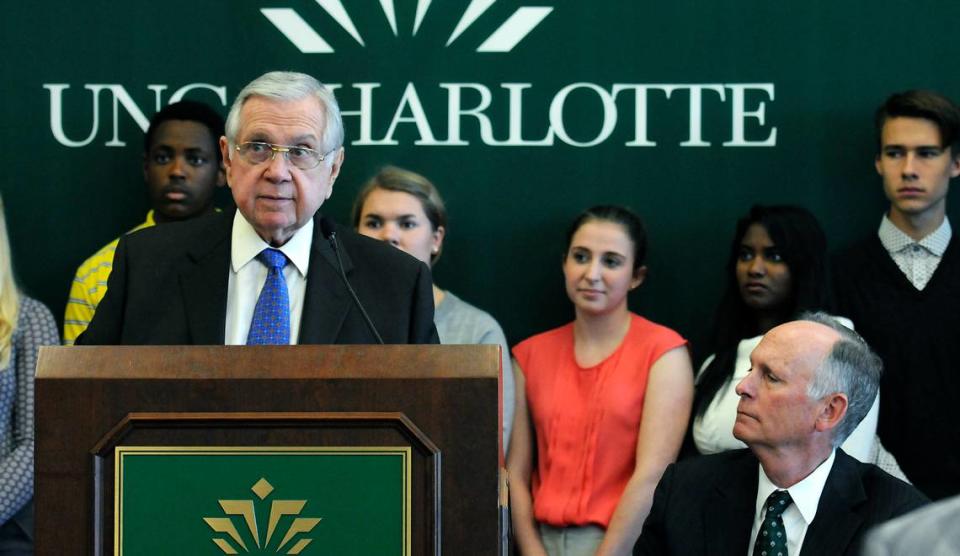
329 231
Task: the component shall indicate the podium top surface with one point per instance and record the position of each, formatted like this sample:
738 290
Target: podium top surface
266 362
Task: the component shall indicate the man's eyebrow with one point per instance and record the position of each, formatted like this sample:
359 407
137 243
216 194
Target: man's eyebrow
307 137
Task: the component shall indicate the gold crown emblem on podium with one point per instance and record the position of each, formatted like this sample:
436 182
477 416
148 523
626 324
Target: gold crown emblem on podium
245 509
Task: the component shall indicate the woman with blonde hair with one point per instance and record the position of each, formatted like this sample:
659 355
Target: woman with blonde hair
25 325
405 210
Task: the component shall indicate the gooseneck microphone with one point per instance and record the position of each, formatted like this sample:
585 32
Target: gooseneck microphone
329 231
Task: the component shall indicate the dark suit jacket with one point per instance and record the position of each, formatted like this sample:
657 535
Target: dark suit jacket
169 287
705 505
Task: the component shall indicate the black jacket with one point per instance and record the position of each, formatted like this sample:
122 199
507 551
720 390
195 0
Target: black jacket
169 287
706 506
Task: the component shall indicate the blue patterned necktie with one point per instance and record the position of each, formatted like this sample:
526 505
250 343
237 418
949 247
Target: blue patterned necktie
772 538
271 316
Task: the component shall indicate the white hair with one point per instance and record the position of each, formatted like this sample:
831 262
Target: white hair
9 294
851 368
290 86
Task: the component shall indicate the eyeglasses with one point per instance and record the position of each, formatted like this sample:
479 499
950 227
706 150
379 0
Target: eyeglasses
256 152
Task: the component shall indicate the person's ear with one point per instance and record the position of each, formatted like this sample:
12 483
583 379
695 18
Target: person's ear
639 275
436 242
832 410
221 174
226 162
335 166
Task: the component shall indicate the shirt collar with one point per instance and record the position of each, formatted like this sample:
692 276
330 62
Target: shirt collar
246 245
894 240
805 494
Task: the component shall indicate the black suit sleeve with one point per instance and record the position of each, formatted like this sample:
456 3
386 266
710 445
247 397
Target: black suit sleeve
422 329
653 537
891 496
105 327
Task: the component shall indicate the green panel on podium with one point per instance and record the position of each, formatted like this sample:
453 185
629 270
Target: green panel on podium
243 500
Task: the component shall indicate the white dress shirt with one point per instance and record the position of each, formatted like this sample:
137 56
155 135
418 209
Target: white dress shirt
799 515
248 275
918 260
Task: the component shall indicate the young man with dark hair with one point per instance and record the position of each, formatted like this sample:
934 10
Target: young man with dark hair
901 288
181 167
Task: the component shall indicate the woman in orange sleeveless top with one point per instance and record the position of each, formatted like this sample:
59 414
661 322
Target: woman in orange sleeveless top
602 403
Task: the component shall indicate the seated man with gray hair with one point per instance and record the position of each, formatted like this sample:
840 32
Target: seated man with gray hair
793 491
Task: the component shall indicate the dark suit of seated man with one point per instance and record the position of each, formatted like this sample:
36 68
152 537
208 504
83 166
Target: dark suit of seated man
265 273
792 492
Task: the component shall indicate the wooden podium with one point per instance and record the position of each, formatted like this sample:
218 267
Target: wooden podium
441 403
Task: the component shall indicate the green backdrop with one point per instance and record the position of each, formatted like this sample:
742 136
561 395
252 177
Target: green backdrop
168 496
815 69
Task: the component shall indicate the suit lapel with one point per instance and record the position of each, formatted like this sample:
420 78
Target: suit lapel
326 300
836 523
203 283
728 513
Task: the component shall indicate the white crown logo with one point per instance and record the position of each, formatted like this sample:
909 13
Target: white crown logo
308 41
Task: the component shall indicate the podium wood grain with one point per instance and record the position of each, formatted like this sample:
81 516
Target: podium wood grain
442 401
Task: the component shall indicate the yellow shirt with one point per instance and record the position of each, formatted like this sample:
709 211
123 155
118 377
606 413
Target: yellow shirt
89 286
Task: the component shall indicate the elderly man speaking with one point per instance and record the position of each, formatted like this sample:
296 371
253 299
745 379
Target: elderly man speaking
267 273
793 492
